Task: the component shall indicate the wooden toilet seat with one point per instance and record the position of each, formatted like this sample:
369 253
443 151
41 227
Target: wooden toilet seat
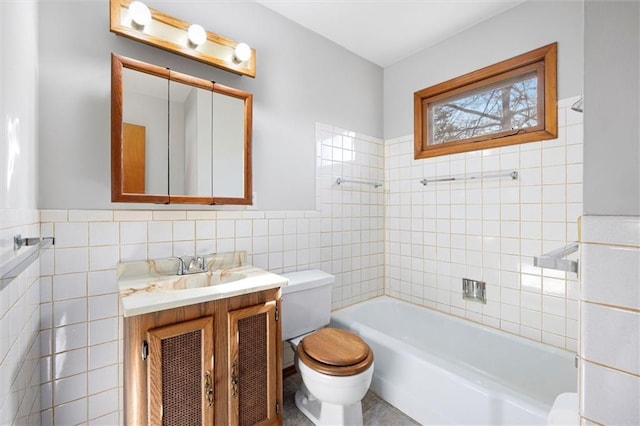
335 352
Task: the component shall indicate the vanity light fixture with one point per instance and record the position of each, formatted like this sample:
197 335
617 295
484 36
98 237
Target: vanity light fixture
197 35
242 53
134 20
140 14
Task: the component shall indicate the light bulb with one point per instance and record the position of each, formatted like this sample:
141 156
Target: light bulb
140 13
197 35
242 52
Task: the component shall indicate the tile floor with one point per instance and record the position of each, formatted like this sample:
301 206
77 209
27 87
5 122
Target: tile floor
376 412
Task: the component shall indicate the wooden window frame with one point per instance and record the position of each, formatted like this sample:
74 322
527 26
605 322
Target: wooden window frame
542 60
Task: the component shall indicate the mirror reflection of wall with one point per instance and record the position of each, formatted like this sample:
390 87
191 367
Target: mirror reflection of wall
228 114
198 118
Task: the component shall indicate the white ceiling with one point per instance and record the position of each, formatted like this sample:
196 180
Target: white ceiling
387 31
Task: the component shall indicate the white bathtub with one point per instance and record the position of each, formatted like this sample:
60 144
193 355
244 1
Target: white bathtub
439 369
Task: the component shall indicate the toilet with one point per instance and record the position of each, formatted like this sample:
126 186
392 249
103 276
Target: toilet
336 366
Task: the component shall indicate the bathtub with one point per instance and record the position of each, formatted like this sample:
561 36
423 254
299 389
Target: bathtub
439 369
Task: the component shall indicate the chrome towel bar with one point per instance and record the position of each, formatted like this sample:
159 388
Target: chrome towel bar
22 258
555 259
513 175
340 181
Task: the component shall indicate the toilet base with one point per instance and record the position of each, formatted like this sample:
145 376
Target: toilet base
324 413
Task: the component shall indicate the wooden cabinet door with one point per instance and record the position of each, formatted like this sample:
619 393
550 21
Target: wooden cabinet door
180 373
253 343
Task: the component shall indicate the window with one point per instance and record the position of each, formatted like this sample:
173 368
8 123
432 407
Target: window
511 102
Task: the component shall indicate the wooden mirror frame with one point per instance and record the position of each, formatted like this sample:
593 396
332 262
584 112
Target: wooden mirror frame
118 63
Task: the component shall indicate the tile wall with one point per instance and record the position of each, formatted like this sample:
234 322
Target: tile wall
610 306
81 362
19 327
489 230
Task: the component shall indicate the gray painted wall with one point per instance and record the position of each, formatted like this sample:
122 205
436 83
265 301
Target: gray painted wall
526 27
301 79
612 108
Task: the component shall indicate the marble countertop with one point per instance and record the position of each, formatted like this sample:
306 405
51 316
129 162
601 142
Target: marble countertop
153 286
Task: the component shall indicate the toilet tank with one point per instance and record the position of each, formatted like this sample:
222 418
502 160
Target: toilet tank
306 302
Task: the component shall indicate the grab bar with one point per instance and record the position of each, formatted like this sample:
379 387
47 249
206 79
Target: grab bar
19 262
555 259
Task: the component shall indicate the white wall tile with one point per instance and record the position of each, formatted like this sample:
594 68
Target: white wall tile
102 331
183 230
69 311
611 337
102 379
72 413
617 282
225 228
69 363
133 252
104 306
103 233
70 337
608 396
103 354
101 282
160 231
69 388
103 257
69 260
102 404
133 232
69 286
131 215
618 230
161 250
71 234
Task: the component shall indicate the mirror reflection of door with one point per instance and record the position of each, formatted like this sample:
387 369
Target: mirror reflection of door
133 156
146 103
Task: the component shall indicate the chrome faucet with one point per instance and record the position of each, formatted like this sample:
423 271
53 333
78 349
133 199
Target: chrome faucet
182 268
196 265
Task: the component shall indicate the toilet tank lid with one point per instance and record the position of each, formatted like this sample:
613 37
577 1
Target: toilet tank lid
303 280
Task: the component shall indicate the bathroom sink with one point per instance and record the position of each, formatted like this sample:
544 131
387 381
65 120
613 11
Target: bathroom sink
155 285
205 279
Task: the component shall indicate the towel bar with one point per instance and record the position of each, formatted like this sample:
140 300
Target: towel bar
555 259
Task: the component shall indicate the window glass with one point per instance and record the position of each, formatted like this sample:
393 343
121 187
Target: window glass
504 106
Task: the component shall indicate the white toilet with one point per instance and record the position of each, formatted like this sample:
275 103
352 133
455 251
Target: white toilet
336 366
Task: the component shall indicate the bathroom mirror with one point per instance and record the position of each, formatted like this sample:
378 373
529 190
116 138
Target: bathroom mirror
177 138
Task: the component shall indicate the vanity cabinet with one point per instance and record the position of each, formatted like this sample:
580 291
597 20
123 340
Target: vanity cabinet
212 363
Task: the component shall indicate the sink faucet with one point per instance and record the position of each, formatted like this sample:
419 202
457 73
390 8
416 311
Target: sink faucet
196 264
182 268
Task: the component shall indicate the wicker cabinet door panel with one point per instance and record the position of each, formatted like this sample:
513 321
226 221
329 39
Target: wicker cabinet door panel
253 366
180 373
